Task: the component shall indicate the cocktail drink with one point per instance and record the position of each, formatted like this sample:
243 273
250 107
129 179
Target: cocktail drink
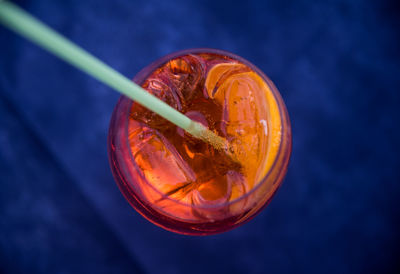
184 184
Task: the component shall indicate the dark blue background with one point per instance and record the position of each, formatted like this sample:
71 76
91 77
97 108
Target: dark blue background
337 66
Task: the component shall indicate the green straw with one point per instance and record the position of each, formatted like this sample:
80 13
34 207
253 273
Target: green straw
29 27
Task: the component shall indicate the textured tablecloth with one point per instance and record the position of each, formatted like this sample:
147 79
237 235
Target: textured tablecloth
336 64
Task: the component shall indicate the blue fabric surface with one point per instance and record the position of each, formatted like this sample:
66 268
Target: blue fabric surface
337 66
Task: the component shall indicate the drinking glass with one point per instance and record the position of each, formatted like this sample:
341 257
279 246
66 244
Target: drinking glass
182 184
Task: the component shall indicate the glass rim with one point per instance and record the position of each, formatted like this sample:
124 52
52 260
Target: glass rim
142 75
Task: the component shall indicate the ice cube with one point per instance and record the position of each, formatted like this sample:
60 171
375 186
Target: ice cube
209 199
161 164
239 188
186 73
163 90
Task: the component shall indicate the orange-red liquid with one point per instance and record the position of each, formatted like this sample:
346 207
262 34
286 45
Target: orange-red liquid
181 175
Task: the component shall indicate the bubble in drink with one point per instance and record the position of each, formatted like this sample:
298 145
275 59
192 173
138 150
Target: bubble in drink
182 183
